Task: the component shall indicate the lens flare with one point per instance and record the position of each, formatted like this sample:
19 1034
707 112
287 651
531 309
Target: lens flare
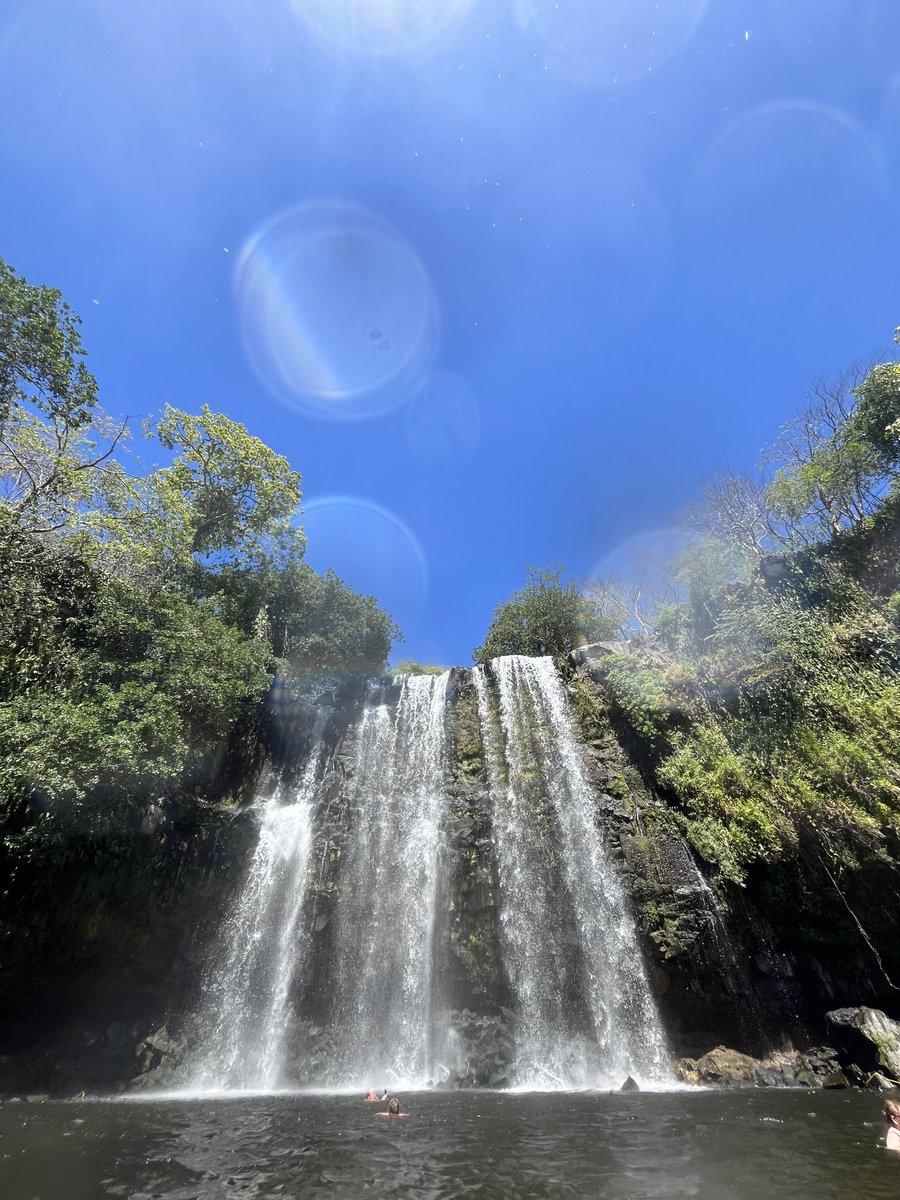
645 559
371 549
784 184
442 422
376 27
617 41
337 314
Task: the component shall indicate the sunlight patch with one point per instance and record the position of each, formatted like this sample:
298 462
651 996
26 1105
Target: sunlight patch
376 27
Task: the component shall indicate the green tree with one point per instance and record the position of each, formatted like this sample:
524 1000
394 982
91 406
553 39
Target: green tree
41 354
55 443
876 418
550 615
317 623
143 613
828 477
227 489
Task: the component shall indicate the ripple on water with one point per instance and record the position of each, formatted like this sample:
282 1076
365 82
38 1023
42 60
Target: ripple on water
491 1145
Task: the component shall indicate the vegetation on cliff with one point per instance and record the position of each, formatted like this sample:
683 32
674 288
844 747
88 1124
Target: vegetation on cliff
765 687
760 682
144 611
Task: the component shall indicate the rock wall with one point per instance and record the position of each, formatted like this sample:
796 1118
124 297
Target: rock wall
104 948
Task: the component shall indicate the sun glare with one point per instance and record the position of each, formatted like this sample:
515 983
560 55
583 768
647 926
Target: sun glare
379 26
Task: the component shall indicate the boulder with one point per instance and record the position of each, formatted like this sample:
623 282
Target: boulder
630 1085
687 1071
722 1065
868 1037
879 1083
835 1079
157 1050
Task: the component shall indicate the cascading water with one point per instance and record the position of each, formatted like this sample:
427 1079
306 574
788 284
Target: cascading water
388 891
350 991
248 988
585 1015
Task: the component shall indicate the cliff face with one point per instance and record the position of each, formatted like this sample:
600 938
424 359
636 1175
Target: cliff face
108 942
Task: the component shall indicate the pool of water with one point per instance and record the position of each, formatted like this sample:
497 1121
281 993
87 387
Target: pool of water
754 1145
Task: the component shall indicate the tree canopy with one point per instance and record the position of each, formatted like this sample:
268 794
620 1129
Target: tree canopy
144 612
549 615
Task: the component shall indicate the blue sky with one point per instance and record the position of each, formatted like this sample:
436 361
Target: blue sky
504 280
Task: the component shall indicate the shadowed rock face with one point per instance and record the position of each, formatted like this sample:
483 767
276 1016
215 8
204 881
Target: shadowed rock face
111 945
868 1037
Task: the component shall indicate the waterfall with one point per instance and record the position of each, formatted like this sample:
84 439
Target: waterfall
353 991
388 891
585 1015
246 995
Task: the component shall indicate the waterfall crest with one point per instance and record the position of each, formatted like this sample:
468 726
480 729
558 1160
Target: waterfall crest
585 1014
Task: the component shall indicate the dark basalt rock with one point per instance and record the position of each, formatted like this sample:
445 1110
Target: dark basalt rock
868 1038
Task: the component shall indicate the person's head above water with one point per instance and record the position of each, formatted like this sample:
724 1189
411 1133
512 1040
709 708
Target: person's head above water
891 1113
394 1107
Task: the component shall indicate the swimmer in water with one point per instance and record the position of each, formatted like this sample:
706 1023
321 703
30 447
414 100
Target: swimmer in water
372 1095
891 1112
384 1095
393 1110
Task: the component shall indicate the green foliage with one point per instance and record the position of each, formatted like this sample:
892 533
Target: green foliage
41 354
409 666
317 623
876 419
550 615
143 615
227 490
640 693
109 693
467 733
55 445
768 700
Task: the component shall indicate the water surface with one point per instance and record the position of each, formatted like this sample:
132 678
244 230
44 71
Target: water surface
717 1145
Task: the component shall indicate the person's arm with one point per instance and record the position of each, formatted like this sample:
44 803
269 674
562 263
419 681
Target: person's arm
892 1138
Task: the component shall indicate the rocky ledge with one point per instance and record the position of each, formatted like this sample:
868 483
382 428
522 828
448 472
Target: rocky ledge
866 1054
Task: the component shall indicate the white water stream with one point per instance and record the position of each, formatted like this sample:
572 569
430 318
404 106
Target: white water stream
247 991
585 1014
386 913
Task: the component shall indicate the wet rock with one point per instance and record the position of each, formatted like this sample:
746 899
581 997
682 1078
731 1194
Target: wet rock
687 1071
630 1085
868 1037
722 1065
780 1069
160 1049
835 1079
769 1077
880 1083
